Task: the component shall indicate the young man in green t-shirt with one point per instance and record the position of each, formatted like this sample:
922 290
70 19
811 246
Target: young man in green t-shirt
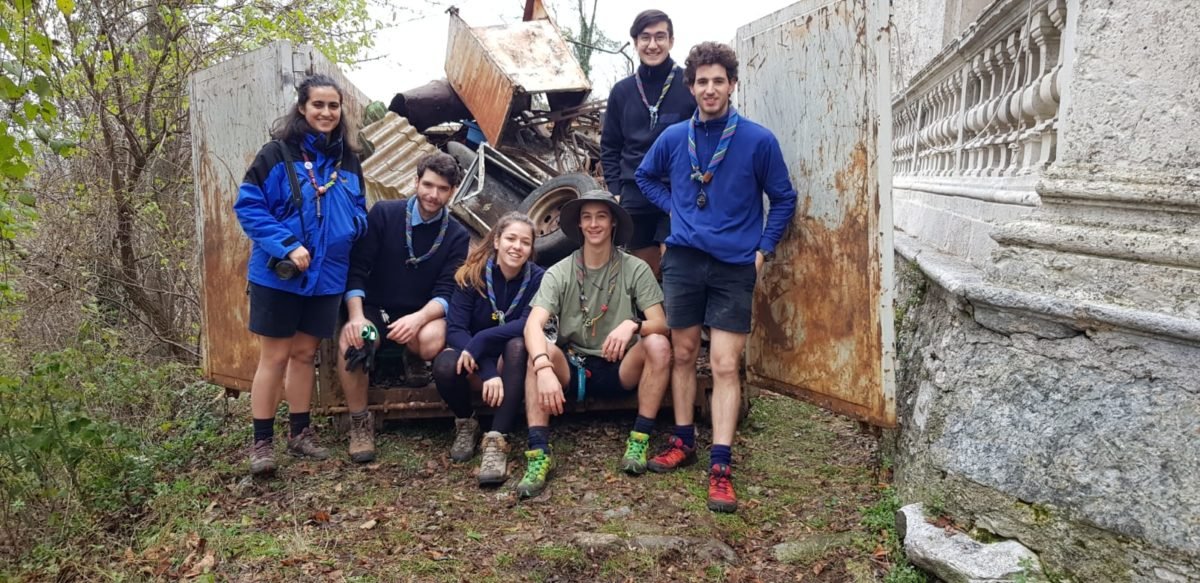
603 348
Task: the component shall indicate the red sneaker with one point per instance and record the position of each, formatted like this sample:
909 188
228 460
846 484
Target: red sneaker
676 455
720 489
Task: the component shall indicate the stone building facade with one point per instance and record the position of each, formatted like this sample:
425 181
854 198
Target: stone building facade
1047 212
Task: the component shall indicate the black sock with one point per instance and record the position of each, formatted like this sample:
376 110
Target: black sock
298 422
686 434
643 425
721 455
539 438
264 429
359 417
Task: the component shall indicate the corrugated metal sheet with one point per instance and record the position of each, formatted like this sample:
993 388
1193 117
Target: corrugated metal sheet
494 68
816 73
232 107
391 172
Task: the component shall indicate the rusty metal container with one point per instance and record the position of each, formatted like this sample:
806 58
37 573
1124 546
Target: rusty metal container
496 70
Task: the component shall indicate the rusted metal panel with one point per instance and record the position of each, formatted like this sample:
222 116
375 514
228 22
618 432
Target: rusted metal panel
816 73
494 69
391 172
232 107
494 186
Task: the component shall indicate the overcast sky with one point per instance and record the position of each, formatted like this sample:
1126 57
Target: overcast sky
413 50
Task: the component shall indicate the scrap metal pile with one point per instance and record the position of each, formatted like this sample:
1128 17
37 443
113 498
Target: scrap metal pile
513 110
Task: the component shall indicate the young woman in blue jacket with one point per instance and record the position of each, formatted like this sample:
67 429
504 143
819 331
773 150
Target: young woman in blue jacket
485 346
300 256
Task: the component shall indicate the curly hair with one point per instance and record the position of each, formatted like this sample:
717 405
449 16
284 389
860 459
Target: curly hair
443 165
470 273
710 53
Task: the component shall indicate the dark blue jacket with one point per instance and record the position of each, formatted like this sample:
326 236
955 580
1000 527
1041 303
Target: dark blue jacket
627 134
377 265
730 227
470 326
267 214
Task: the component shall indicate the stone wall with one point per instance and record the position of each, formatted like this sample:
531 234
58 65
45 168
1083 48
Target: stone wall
1082 444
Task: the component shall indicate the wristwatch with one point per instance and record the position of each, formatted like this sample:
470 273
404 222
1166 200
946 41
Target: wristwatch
767 255
638 330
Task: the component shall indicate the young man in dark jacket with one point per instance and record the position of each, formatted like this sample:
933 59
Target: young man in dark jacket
401 279
718 166
640 107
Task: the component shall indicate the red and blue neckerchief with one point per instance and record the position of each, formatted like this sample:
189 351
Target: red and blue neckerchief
661 96
408 229
719 155
497 315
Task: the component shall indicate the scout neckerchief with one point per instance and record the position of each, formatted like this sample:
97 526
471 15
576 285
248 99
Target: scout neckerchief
497 315
608 279
312 178
719 155
408 229
663 95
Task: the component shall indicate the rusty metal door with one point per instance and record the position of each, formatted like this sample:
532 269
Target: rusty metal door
816 73
232 107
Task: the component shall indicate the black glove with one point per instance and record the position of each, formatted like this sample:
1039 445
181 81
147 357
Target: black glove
361 357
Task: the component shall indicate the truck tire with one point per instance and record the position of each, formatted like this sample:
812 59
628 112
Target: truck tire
544 205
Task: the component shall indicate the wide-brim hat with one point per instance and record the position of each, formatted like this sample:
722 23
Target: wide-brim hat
568 218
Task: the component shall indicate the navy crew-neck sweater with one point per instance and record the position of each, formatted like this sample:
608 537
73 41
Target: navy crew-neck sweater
470 327
627 134
378 261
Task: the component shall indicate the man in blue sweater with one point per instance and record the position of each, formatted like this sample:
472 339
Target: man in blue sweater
639 108
401 279
718 165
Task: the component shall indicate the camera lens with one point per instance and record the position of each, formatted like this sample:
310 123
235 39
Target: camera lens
286 269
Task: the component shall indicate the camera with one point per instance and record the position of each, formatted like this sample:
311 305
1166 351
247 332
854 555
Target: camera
284 268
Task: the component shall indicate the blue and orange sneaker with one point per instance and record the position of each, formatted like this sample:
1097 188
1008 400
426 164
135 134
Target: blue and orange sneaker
721 497
675 456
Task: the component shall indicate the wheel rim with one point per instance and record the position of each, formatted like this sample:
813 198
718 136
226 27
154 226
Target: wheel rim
546 211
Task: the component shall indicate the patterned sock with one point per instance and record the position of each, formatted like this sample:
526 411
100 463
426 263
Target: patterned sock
539 438
359 417
298 421
643 425
721 455
264 430
686 434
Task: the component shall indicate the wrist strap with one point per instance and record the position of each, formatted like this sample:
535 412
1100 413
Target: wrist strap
537 356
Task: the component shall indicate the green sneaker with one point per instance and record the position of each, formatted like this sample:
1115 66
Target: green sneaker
634 461
537 471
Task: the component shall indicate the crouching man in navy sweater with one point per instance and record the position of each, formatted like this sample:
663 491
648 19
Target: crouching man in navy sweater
719 165
401 279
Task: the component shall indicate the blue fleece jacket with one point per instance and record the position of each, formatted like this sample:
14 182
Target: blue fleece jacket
470 327
730 227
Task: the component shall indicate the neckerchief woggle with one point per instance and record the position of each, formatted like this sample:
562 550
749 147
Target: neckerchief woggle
719 155
661 96
497 315
408 229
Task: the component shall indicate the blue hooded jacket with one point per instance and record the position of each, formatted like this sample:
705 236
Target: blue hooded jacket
268 215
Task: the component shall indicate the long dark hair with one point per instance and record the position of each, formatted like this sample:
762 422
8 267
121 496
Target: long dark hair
470 274
292 127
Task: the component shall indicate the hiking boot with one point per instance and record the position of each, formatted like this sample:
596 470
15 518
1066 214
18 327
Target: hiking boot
362 439
304 444
538 467
466 433
262 458
493 467
720 489
676 455
634 461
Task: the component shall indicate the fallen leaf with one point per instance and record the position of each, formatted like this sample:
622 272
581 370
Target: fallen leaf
338 488
205 565
321 516
368 525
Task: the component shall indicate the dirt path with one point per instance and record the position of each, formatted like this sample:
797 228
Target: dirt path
801 474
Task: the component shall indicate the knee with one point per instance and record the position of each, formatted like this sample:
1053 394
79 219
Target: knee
685 350
658 350
515 348
725 366
445 365
305 354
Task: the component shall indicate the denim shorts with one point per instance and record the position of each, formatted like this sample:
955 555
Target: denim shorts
603 380
279 314
699 289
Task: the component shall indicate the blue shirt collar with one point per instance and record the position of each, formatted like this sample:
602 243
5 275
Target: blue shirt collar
415 214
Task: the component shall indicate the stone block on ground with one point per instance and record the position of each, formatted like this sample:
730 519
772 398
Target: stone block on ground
810 549
958 558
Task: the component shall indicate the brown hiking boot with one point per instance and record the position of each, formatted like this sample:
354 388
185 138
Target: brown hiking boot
362 439
493 467
262 457
466 433
305 445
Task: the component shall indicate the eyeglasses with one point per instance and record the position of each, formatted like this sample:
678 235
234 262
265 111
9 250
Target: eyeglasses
659 38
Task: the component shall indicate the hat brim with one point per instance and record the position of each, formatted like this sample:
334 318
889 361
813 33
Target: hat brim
568 221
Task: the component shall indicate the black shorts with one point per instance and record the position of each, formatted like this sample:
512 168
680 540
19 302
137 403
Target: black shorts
699 289
649 230
279 314
377 317
603 380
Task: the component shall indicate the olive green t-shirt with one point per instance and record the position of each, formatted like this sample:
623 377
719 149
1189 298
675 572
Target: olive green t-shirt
633 289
